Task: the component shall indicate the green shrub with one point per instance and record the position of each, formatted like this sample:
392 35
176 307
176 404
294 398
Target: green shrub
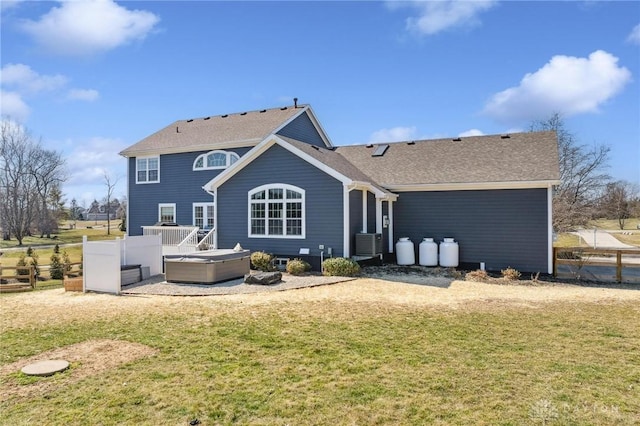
340 266
510 274
262 261
22 261
56 268
298 267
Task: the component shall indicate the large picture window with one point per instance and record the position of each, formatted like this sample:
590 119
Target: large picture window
148 170
215 160
277 211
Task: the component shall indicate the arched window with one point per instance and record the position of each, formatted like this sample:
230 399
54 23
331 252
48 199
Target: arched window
215 160
277 211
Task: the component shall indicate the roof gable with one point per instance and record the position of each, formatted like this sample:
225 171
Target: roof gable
216 132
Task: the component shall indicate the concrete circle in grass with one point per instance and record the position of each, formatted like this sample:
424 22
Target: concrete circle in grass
45 368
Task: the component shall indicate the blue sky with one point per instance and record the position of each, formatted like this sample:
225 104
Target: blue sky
90 78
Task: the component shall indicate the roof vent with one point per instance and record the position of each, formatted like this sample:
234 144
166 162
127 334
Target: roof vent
206 118
243 113
283 108
369 145
456 139
263 110
295 102
190 120
411 143
315 147
380 150
224 116
505 136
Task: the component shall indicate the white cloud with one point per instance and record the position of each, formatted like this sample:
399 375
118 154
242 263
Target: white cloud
12 105
566 84
24 79
634 36
88 27
471 132
436 16
83 95
393 134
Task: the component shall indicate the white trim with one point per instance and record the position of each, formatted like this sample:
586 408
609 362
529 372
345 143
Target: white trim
215 216
228 155
378 216
205 217
172 205
345 222
284 200
390 228
147 158
365 196
550 230
470 186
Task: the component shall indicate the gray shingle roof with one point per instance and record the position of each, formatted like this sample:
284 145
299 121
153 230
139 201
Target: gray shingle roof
522 157
216 132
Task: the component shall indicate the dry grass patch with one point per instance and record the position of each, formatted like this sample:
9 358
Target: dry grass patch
361 352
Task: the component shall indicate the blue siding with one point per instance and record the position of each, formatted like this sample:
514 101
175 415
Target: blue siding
302 129
355 218
178 184
501 228
323 205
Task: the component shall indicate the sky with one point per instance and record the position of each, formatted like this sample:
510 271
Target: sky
89 78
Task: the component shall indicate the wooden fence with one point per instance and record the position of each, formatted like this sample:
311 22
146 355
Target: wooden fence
29 278
580 257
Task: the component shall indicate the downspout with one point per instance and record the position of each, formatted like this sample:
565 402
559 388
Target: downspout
345 222
214 194
365 217
390 226
550 229
378 216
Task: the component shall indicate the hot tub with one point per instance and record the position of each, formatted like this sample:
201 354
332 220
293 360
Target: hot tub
207 267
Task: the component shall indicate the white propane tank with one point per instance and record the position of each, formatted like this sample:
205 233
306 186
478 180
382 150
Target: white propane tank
428 252
448 253
405 254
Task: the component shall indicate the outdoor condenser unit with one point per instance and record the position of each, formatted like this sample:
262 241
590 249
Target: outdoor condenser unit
368 244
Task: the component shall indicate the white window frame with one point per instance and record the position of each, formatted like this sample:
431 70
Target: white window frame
205 217
171 205
284 200
146 160
230 158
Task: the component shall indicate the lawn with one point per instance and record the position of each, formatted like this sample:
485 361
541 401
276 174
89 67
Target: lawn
327 361
94 230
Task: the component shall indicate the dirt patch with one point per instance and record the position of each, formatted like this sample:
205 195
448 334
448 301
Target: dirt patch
87 359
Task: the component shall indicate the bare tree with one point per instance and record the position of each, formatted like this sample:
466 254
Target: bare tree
17 185
48 173
110 184
582 176
28 174
619 201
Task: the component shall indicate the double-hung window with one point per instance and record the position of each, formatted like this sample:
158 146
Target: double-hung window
148 170
277 211
167 212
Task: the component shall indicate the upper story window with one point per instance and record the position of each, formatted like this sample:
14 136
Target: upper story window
277 211
215 160
148 170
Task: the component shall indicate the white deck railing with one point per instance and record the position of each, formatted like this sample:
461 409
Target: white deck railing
209 239
171 235
190 242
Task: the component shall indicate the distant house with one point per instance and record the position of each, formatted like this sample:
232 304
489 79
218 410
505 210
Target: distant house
99 211
271 180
